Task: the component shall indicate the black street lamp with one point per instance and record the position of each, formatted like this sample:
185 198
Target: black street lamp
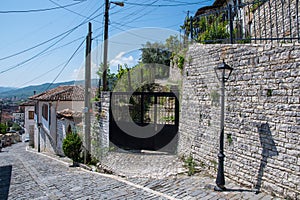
223 73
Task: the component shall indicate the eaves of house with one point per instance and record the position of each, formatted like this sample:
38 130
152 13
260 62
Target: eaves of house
217 4
28 103
69 114
61 93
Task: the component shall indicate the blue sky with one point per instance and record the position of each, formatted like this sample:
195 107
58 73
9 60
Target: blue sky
130 27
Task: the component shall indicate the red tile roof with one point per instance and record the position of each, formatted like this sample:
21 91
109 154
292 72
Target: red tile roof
61 93
69 114
28 103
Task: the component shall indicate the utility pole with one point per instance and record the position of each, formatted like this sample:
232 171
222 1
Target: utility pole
87 94
104 78
106 20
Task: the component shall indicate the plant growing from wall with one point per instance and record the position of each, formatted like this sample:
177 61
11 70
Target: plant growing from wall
229 139
72 146
190 164
269 92
215 97
257 4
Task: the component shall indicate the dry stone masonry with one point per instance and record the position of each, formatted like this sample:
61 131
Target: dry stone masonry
262 117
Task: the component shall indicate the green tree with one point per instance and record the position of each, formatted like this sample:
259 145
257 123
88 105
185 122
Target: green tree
3 128
111 77
16 127
155 53
72 147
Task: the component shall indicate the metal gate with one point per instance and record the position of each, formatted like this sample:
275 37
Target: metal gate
144 120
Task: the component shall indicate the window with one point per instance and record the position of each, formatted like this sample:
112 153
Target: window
45 111
31 114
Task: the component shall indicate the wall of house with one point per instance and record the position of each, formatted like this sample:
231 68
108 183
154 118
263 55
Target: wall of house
29 124
274 19
49 137
262 117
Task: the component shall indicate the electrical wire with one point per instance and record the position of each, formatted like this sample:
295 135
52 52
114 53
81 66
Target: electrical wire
41 75
69 60
36 55
43 51
71 10
55 37
163 5
39 10
52 69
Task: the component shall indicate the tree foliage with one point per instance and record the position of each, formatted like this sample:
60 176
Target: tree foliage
155 53
208 29
3 128
16 127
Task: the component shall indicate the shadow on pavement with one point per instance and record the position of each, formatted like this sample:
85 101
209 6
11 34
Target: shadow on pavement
238 190
211 187
5 176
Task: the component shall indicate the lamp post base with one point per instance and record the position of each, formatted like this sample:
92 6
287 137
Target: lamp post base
219 188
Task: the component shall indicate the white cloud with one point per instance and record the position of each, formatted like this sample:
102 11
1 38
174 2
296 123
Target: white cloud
121 59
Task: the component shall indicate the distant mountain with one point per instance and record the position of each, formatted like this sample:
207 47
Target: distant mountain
24 93
5 89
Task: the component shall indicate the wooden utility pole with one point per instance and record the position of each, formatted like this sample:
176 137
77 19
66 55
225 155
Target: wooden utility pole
105 50
87 95
104 78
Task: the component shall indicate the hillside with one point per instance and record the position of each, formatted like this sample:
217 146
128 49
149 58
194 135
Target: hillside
24 93
5 89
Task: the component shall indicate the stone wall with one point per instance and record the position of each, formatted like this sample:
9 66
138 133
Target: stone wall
100 127
262 117
274 19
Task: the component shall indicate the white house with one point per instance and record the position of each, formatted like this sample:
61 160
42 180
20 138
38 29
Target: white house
29 122
18 117
47 106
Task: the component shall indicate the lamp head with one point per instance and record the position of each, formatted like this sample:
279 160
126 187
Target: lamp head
118 3
223 71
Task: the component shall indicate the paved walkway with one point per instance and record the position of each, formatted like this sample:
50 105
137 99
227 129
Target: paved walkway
146 164
30 175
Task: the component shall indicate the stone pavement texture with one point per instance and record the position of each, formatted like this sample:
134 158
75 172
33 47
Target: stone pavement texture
31 175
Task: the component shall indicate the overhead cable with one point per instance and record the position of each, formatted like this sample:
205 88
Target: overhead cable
71 10
55 37
163 5
38 10
60 72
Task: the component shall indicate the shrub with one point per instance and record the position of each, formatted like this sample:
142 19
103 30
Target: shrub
72 147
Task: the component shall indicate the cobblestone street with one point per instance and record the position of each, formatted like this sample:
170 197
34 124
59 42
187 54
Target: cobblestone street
30 175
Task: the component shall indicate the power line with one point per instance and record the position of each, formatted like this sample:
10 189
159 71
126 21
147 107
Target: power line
60 72
38 10
40 44
131 33
55 37
43 74
163 5
71 11
36 55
